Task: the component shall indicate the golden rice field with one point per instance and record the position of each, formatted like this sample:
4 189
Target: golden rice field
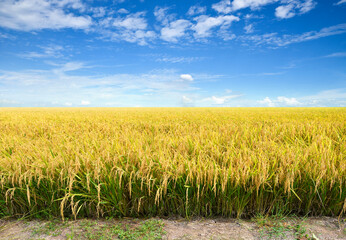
234 162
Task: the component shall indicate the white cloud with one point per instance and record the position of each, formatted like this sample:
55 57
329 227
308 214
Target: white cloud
219 100
68 87
85 103
293 7
195 10
186 100
279 101
178 59
226 6
6 36
288 101
306 6
162 15
69 66
175 30
327 98
332 94
337 54
223 6
7 102
274 39
253 4
249 28
123 11
205 24
186 77
131 28
285 11
27 15
47 52
267 101
98 12
68 104
134 21
341 2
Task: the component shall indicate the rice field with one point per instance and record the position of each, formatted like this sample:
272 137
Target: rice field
120 162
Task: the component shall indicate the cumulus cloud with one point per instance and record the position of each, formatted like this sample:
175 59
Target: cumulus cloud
174 30
186 77
28 15
206 23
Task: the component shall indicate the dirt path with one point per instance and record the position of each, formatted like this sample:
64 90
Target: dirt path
259 228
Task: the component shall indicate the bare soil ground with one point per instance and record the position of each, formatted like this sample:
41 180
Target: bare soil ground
323 228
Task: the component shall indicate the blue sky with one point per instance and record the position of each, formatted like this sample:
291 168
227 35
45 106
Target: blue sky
121 53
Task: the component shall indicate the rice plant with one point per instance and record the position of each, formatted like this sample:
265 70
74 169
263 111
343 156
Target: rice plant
234 162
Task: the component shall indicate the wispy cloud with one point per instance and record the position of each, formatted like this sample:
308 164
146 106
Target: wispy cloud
276 40
6 36
337 54
59 83
162 16
51 51
171 59
340 2
249 28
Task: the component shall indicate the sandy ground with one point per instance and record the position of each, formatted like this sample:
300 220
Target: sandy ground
289 228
